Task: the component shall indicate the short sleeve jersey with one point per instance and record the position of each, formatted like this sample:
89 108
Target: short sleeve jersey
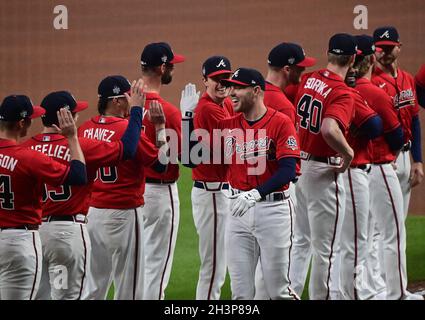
23 173
121 186
254 151
275 98
323 94
66 199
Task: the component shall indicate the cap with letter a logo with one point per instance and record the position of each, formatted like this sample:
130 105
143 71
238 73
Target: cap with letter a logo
386 36
216 65
245 77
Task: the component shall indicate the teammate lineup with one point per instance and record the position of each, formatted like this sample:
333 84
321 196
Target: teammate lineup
291 170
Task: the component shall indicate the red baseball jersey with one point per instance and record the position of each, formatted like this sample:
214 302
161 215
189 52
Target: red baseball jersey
382 104
254 151
208 114
65 199
275 98
173 120
403 93
420 76
23 173
362 147
323 94
121 186
291 90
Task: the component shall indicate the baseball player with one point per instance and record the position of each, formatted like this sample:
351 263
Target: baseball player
65 207
210 206
23 173
325 110
161 211
420 86
400 86
286 62
366 125
115 221
261 145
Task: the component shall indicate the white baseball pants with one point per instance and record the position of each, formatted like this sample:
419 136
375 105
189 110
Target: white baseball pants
403 174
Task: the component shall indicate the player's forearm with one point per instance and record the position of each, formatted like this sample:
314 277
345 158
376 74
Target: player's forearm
285 174
416 149
75 149
334 137
187 143
131 135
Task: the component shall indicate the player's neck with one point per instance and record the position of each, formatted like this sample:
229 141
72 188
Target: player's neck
368 74
276 80
390 69
152 84
341 71
256 113
48 130
9 135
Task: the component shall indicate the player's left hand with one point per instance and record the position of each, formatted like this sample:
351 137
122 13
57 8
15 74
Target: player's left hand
244 201
137 98
67 125
416 174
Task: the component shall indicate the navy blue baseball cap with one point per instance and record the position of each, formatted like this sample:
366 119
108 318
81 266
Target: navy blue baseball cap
289 54
18 107
245 77
343 44
113 87
157 53
54 101
216 65
386 36
366 45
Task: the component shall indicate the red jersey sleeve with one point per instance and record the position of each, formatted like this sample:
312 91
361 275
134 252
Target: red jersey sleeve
362 110
340 106
383 106
287 142
147 153
47 170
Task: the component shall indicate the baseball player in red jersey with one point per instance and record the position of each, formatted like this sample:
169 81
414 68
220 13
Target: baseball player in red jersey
325 111
400 86
420 86
162 211
23 173
210 206
115 221
286 62
261 145
65 207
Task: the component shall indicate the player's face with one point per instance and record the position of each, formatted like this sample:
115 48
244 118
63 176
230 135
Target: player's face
215 89
295 73
167 75
388 55
242 98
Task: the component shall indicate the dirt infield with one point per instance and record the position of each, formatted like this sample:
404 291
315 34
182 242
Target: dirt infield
106 37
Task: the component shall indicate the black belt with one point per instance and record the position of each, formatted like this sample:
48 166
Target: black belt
333 161
72 218
277 196
204 185
23 227
364 167
407 146
159 181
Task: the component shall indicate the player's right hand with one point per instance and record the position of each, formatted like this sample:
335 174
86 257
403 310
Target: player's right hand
67 125
346 161
189 100
137 97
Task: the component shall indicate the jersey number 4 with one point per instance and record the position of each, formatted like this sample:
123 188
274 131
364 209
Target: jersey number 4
6 194
310 112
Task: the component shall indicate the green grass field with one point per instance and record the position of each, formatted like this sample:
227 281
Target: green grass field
184 274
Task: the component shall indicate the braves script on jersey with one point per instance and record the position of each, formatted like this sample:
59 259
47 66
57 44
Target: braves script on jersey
381 103
207 116
173 123
96 153
22 175
122 186
362 147
402 92
268 140
323 94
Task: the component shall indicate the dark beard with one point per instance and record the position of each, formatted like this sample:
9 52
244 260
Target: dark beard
166 78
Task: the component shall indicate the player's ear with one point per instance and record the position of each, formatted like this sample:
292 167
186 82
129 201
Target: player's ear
162 68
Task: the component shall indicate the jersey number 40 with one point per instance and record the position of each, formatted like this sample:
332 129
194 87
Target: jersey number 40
310 112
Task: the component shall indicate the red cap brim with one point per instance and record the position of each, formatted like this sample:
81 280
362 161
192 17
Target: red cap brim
378 49
81 105
216 73
229 82
177 59
37 112
307 62
387 43
359 52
